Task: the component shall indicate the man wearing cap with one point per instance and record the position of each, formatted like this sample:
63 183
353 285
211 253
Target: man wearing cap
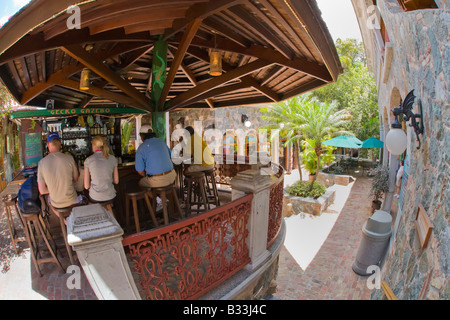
153 161
57 173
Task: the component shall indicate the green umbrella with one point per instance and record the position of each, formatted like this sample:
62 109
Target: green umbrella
372 142
344 142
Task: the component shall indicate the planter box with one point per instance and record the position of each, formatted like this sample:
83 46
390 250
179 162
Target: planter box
294 204
328 179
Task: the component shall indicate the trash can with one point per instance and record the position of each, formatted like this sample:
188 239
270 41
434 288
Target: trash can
376 233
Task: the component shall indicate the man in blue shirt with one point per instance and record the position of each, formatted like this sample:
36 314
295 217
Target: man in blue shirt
153 161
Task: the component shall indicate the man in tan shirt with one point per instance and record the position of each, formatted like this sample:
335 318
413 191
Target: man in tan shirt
57 173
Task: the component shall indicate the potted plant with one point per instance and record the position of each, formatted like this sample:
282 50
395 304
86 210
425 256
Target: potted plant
379 186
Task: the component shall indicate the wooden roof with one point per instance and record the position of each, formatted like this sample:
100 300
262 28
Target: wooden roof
273 50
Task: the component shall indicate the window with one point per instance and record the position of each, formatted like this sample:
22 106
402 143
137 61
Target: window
409 5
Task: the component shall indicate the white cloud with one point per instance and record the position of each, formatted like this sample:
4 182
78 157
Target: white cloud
20 3
3 20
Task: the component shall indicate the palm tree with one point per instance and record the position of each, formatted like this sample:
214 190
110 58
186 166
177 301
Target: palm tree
319 120
284 116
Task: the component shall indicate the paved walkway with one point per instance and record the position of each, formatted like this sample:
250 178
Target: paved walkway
329 274
324 274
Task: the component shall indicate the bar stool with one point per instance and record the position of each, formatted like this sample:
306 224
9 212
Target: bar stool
62 214
196 187
32 224
134 194
167 193
212 192
10 201
108 205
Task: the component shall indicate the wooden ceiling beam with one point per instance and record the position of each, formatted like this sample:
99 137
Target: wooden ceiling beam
188 35
191 76
300 64
136 17
32 44
226 32
112 8
250 23
216 82
199 11
248 80
90 61
99 92
299 42
213 93
303 12
70 70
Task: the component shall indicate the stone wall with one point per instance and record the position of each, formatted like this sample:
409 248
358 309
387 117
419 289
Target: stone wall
421 59
221 118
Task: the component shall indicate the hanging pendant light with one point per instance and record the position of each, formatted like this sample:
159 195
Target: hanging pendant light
85 79
215 62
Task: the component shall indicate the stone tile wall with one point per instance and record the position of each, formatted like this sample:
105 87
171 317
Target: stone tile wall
421 61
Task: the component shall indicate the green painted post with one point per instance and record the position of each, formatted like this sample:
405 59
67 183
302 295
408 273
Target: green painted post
159 75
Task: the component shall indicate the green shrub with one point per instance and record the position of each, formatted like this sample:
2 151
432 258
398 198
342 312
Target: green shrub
301 189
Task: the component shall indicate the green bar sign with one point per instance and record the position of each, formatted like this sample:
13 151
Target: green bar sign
72 112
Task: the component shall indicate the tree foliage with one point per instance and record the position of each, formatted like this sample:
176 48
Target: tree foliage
355 90
6 101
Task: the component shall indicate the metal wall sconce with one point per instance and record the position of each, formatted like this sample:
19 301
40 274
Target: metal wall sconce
396 138
85 79
245 121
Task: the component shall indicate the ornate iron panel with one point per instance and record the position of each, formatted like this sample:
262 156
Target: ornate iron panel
186 259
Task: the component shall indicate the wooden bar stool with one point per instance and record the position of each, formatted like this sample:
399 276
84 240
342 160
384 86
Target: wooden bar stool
196 187
62 214
108 205
32 225
167 193
10 202
212 191
134 194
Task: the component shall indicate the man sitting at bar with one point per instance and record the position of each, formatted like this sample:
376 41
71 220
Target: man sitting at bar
57 173
201 156
153 161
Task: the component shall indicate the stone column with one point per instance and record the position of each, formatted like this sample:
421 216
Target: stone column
258 183
96 237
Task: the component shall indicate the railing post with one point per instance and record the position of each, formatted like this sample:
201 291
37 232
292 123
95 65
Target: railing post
252 181
96 237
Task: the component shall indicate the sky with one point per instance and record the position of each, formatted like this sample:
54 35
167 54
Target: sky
9 7
340 19
337 14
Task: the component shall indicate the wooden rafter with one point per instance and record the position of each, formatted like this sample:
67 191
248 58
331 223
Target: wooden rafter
270 55
216 82
248 79
116 8
190 75
32 44
249 22
71 69
199 11
188 35
99 92
139 16
301 10
98 67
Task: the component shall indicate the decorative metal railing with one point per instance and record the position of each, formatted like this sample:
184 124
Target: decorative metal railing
187 259
275 211
275 204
